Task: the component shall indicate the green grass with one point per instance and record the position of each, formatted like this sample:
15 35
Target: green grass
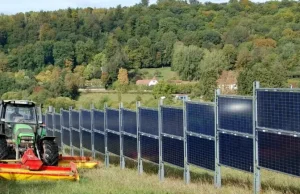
166 73
115 180
89 98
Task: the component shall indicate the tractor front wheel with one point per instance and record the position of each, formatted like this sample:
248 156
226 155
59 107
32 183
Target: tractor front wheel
4 151
50 153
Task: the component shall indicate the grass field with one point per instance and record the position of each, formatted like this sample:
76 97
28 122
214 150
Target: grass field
166 73
114 180
89 98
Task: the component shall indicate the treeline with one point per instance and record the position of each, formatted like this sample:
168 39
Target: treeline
261 41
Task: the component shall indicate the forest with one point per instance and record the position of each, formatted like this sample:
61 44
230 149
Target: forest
48 55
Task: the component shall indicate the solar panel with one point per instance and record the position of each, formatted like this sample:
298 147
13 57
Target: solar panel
66 136
58 138
236 152
130 147
173 151
99 143
65 118
86 120
201 152
235 114
129 122
75 139
86 140
75 119
49 123
278 110
149 149
279 152
172 121
113 119
57 121
200 118
149 121
44 118
98 120
113 143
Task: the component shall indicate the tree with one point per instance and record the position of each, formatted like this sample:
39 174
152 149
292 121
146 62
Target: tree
3 62
145 3
163 89
62 51
122 84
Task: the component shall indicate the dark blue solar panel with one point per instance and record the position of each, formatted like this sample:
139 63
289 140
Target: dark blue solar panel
99 143
75 119
235 114
149 149
86 120
129 122
236 152
130 147
201 152
149 121
58 138
65 119
44 119
279 152
66 137
49 123
57 121
86 140
112 120
172 121
113 143
173 151
98 120
200 118
278 110
75 139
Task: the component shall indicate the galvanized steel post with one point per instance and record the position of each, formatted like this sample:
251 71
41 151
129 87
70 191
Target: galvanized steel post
138 125
105 137
122 159
217 176
256 170
186 174
80 132
92 131
161 163
71 134
62 133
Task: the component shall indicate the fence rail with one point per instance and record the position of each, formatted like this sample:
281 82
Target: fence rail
240 132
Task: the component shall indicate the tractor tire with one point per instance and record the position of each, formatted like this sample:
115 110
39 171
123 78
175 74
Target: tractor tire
50 154
4 151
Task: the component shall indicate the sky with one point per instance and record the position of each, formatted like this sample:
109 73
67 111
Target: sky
15 6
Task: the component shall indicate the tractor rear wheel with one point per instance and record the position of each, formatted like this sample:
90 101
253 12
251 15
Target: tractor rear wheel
4 151
50 153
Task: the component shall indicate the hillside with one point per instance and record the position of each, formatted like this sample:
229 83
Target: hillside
50 54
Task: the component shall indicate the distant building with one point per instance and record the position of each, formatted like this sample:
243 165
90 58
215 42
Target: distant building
144 82
181 96
227 82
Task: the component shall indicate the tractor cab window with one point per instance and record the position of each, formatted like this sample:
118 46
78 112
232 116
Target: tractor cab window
20 114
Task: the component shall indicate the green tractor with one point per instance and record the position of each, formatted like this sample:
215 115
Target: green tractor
21 128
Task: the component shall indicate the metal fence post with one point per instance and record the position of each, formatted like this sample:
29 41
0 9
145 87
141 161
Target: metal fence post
186 174
105 137
71 134
138 124
92 131
80 132
53 121
256 170
161 163
217 153
62 133
122 159
46 122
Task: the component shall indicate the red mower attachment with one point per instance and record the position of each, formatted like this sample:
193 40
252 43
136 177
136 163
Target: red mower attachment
31 168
